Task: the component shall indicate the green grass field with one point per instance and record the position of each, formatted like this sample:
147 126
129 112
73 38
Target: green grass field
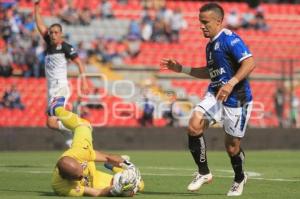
273 174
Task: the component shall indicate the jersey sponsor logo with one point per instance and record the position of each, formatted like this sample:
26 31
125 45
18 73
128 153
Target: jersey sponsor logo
233 42
217 84
217 72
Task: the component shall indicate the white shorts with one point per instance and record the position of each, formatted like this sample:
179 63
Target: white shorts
58 88
234 120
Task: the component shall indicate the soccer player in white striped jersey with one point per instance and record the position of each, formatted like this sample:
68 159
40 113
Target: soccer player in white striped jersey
58 52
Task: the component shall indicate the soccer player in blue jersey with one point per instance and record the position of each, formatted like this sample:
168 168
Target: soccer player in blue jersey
228 99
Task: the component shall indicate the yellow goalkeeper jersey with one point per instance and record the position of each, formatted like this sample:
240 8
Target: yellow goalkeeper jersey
82 151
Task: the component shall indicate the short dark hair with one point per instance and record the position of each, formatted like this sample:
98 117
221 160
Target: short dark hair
213 7
56 25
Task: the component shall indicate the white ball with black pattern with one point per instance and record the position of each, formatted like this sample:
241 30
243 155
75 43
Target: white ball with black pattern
124 183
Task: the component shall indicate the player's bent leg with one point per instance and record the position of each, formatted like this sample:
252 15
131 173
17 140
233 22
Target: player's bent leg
54 123
197 125
83 137
237 157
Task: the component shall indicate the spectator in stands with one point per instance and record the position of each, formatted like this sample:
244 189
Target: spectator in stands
8 3
6 62
164 16
15 20
172 115
148 111
159 33
233 20
41 57
294 111
279 101
147 30
12 98
5 26
133 46
69 14
145 16
31 61
82 52
19 59
146 25
100 49
177 23
106 10
29 24
134 29
85 16
248 19
260 22
110 53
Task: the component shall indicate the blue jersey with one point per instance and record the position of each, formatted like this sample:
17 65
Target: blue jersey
224 54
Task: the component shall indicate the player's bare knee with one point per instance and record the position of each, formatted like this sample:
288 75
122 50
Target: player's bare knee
232 150
195 130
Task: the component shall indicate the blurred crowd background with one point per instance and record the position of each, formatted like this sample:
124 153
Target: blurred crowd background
121 43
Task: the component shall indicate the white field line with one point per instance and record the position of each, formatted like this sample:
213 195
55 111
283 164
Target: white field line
252 175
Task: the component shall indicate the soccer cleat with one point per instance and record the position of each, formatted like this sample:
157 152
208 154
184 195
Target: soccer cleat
55 102
237 188
199 180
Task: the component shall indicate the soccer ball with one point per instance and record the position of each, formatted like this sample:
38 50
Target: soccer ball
125 182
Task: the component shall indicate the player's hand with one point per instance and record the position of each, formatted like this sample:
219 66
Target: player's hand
224 92
170 64
36 1
127 165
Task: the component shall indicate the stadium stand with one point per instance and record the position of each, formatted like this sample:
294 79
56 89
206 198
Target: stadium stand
273 49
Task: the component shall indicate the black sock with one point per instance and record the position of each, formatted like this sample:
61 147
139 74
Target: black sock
237 165
197 147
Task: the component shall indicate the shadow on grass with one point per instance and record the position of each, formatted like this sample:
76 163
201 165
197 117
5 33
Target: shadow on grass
39 193
178 193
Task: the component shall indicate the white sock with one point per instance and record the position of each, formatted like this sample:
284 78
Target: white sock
66 132
62 127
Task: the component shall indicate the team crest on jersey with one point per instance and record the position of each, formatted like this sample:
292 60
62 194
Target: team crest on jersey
217 45
58 47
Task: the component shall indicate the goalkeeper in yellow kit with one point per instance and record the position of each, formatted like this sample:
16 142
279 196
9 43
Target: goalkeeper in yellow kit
75 173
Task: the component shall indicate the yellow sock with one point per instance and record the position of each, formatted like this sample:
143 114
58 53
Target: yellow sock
69 119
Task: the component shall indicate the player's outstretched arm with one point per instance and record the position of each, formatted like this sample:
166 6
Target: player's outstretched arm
175 66
115 160
81 67
38 18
